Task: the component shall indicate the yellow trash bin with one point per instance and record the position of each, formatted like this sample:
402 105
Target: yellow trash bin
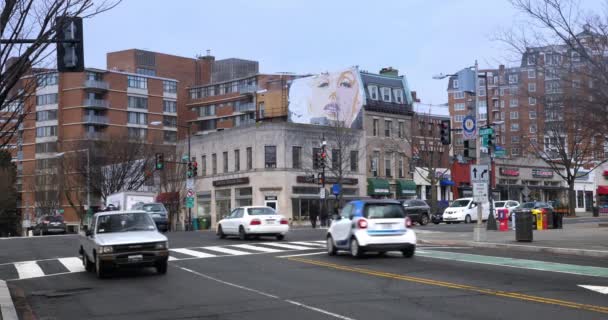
538 214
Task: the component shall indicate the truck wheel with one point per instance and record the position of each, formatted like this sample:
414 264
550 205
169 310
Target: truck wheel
88 265
161 267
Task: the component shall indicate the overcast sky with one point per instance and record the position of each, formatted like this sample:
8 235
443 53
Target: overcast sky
421 38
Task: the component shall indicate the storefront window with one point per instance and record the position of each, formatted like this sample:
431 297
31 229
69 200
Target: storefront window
222 203
244 197
204 203
580 201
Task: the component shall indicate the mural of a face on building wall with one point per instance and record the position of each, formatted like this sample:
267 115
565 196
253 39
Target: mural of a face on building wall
326 98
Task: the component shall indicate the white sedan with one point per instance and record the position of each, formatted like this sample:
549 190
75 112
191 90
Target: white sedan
505 204
253 221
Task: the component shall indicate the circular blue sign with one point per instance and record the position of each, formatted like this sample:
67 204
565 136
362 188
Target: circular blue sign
468 124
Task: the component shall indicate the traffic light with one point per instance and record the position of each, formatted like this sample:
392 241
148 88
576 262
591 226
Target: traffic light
446 132
70 47
322 159
160 161
491 141
189 170
321 179
316 157
469 149
194 169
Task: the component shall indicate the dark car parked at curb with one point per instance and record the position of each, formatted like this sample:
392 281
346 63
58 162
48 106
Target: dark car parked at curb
157 212
418 211
49 224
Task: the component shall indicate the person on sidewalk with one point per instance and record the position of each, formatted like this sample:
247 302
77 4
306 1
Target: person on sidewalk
313 219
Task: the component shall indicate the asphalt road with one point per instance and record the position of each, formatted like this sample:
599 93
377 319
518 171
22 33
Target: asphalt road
295 279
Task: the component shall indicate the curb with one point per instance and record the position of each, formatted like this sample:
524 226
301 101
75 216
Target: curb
7 308
519 247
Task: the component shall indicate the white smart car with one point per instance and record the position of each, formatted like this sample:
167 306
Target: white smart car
371 225
253 221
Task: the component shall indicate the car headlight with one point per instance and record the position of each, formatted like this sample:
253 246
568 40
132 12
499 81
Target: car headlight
106 249
161 245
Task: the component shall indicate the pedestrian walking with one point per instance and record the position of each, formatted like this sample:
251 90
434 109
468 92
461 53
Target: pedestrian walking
313 219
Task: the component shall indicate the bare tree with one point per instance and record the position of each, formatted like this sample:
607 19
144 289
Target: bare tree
575 98
9 216
30 19
172 186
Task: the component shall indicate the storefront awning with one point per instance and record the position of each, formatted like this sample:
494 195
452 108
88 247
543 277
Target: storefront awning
602 190
378 187
406 188
605 174
446 182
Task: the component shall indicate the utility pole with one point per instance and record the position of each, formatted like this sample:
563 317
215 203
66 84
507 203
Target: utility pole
323 143
479 233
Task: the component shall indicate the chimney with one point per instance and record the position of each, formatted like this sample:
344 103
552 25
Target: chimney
415 96
389 71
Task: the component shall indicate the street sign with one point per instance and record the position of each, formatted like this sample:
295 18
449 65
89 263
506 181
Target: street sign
500 153
190 193
336 189
189 202
480 192
469 128
190 183
322 193
486 131
480 174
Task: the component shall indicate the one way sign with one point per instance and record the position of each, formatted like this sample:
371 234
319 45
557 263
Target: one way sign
480 174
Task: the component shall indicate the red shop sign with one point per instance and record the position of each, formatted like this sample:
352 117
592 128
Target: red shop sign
511 172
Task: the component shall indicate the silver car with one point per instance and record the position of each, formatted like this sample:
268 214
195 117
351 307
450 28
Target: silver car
117 239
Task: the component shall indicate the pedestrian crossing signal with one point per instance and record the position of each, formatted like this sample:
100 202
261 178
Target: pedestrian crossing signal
160 161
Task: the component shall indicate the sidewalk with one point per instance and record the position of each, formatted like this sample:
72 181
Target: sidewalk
583 239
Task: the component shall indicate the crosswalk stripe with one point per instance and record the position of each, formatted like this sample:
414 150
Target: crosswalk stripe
72 264
28 269
226 250
287 246
172 258
255 248
304 243
193 253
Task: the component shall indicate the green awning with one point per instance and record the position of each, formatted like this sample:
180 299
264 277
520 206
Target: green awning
406 188
378 187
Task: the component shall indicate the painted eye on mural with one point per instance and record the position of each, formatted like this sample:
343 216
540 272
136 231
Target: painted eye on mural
323 84
345 84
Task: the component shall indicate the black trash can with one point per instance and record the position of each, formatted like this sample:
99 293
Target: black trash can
596 211
523 227
551 220
558 219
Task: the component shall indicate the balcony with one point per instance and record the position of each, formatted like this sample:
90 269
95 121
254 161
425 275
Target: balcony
93 135
95 120
245 107
95 104
96 84
247 89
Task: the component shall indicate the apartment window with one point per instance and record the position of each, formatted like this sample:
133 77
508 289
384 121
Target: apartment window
262 109
576 83
388 128
373 92
296 157
459 141
502 116
401 171
531 74
50 131
482 104
170 136
386 94
376 124
45 99
249 158
502 103
482 82
169 86
483 116
459 95
375 163
203 165
169 106
137 82
137 118
137 133
532 114
533 128
591 84
514 126
459 117
315 152
214 163
514 115
501 91
398 95
514 139
512 79
206 111
513 103
270 156
482 91
459 106
170 121
387 165
47 79
354 160
137 102
46 147
455 83
515 151
146 71
531 87
335 159
531 101
225 161
531 60
46 115
401 130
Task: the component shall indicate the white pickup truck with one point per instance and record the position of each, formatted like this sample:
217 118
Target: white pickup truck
117 239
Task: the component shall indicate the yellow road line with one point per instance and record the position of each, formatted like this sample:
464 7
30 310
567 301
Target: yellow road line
513 295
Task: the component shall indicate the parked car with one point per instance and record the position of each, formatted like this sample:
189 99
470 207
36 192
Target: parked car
49 224
529 206
158 212
464 210
418 211
253 221
371 226
437 216
117 239
505 204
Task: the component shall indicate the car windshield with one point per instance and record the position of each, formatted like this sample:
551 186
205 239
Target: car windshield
384 211
500 204
528 205
124 222
260 211
460 203
154 207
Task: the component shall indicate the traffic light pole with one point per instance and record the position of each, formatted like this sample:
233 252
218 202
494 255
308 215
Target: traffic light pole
479 233
323 203
189 224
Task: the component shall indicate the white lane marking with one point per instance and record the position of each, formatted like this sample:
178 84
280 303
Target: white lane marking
602 290
254 248
287 246
171 258
72 264
313 244
320 241
335 315
302 254
226 250
193 253
28 269
7 308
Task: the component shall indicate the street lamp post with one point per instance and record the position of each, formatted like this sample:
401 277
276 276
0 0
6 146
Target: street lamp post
87 150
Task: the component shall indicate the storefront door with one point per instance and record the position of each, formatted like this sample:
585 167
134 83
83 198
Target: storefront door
271 201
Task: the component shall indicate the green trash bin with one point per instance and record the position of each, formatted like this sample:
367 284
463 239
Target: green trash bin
194 224
205 222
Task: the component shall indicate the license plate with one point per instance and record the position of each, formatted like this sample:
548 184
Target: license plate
271 221
386 226
137 257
